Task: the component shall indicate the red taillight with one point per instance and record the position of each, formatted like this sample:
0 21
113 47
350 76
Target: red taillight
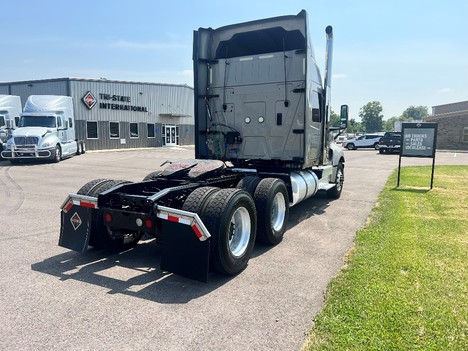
148 223
108 217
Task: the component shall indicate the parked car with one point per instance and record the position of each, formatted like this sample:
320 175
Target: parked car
341 139
390 142
363 141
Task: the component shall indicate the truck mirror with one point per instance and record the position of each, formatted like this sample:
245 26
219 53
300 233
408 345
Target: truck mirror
344 116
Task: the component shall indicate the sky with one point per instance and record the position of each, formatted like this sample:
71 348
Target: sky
400 53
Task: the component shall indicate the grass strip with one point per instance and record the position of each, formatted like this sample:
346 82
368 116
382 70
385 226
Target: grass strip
404 284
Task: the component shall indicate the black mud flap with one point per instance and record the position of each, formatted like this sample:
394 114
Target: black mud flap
75 230
183 253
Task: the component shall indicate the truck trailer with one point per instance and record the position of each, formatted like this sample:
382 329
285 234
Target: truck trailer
262 145
10 110
46 130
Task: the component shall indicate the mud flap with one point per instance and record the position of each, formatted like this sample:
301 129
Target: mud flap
75 229
183 253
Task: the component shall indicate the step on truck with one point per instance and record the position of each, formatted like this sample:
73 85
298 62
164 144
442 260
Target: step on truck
46 130
262 145
10 109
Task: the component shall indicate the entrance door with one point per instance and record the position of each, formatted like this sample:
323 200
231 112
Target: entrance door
171 139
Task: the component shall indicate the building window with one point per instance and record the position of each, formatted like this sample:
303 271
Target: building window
151 133
133 130
114 128
465 135
163 134
91 130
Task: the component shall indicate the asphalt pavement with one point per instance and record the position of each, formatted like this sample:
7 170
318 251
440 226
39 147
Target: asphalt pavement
55 299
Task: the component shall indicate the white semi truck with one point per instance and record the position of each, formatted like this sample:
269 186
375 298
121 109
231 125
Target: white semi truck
46 130
263 143
10 110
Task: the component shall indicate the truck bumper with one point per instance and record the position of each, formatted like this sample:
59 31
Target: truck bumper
27 153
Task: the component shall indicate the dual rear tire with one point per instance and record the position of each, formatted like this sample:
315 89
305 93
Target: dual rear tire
257 210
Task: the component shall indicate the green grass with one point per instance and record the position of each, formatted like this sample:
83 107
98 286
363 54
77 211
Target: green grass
405 282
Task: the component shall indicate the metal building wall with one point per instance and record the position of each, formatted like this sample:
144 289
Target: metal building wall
164 103
34 87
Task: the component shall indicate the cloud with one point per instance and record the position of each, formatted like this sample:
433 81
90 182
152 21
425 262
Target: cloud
445 90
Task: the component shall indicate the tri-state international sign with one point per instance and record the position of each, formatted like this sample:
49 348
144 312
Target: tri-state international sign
418 139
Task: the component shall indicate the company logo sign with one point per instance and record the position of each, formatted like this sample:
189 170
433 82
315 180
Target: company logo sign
75 221
89 100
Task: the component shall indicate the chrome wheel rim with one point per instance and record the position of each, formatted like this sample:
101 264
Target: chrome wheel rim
57 153
278 211
339 179
239 232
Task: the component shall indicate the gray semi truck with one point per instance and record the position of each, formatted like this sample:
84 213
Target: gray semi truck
46 130
263 144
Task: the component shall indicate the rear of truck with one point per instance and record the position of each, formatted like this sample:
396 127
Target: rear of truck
259 100
261 145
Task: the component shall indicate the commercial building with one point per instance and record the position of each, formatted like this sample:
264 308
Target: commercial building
452 125
116 114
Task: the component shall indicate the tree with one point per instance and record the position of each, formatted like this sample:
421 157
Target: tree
389 124
354 126
371 116
334 119
414 112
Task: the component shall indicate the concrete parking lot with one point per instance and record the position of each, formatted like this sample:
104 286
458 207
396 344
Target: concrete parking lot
55 299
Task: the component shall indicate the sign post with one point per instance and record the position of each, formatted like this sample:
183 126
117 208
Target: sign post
418 140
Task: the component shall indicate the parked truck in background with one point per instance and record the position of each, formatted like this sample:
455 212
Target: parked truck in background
263 144
390 142
10 110
46 130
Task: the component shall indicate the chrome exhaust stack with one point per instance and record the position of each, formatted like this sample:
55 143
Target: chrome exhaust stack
327 89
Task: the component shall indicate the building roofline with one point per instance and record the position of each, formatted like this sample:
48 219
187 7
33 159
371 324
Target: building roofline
450 104
448 114
100 80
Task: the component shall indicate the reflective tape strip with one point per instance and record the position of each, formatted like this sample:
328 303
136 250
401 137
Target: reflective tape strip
188 219
87 204
79 200
197 231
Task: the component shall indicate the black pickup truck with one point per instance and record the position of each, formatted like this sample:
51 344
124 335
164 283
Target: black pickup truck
390 142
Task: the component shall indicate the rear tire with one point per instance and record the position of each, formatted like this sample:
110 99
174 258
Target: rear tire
197 200
83 147
272 204
350 147
78 148
381 151
248 183
230 217
100 234
376 146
